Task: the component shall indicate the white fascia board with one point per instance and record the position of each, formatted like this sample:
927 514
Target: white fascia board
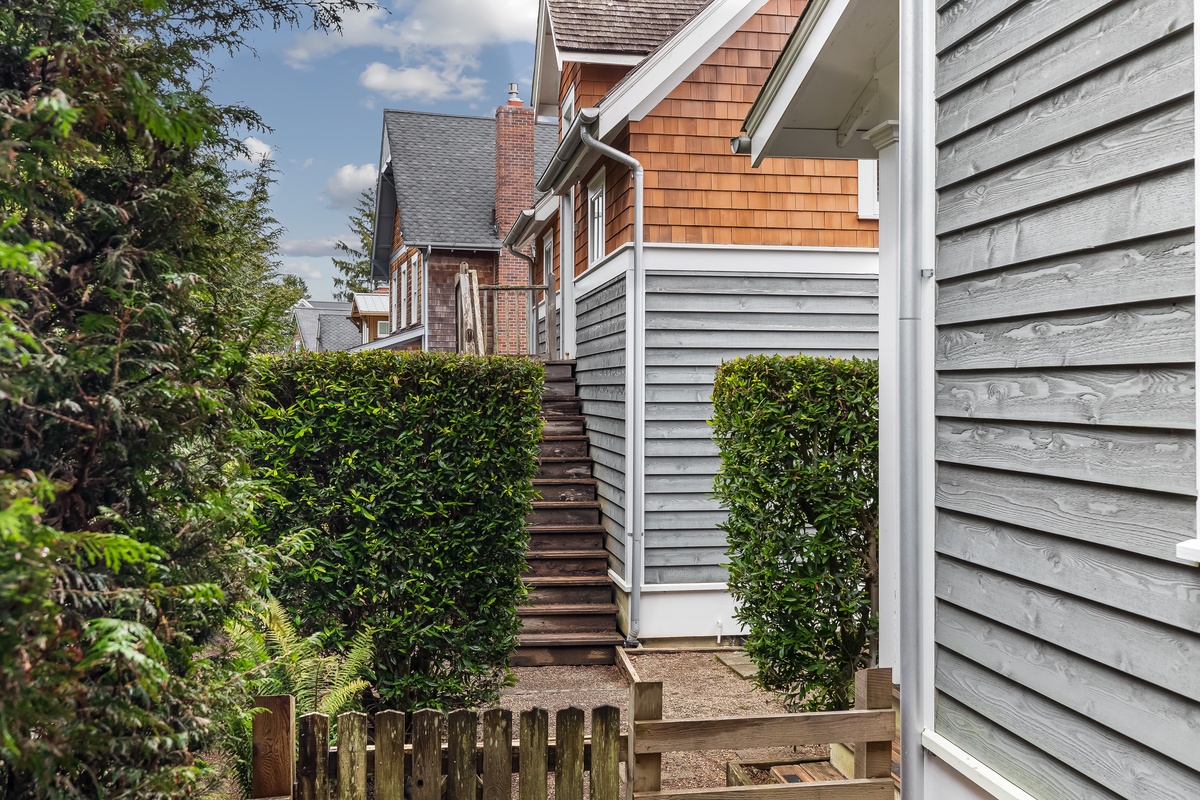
566 56
542 212
764 123
762 259
386 342
613 265
545 33
670 64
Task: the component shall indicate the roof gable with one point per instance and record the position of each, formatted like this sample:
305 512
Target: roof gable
443 167
633 27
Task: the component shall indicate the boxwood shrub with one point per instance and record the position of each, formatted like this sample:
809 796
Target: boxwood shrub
397 490
799 446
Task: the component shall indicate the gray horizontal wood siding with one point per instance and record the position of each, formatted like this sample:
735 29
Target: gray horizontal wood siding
1067 636
600 381
695 321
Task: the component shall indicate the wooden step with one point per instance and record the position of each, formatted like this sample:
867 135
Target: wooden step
564 446
567 562
563 489
559 467
554 649
560 370
570 512
573 425
558 406
559 387
568 619
558 539
569 589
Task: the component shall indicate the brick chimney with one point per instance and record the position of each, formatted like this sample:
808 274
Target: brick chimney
514 193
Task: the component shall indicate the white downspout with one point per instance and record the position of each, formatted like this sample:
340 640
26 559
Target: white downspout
915 265
635 326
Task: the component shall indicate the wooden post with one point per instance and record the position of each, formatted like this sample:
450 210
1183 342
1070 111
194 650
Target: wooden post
497 754
644 769
352 756
460 757
427 755
273 746
313 772
568 763
551 315
535 742
389 755
606 753
873 691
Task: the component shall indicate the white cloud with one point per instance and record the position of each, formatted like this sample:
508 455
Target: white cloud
257 151
424 82
322 247
348 183
436 45
453 26
308 162
302 267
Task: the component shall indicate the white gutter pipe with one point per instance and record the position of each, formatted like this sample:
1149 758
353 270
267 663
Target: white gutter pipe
914 45
635 326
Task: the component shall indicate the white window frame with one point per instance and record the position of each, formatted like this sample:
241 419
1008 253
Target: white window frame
597 222
548 260
412 290
403 320
868 188
567 110
394 297
381 328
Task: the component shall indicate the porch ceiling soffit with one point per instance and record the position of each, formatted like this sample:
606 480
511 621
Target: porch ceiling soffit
531 222
837 78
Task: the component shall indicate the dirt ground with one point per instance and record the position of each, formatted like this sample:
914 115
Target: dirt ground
694 685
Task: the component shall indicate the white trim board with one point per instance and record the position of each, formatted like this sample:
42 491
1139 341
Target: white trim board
687 614
971 768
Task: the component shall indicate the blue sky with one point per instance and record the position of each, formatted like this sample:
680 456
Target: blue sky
323 96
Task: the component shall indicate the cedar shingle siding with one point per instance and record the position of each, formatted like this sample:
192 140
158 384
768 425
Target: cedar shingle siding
1068 636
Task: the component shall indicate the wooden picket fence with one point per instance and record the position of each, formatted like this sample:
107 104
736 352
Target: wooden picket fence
297 761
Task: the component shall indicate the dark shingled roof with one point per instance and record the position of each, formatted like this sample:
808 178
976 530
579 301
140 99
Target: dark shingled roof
444 168
325 325
619 26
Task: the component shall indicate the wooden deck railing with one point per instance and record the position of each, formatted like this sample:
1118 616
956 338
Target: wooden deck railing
445 756
477 313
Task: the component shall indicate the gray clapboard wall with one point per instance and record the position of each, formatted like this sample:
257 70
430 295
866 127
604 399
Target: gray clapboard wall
600 378
694 321
1068 637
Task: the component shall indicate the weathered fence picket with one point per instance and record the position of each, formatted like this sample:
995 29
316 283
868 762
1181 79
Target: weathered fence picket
459 766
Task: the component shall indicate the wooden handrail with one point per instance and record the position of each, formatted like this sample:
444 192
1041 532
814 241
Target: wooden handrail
778 730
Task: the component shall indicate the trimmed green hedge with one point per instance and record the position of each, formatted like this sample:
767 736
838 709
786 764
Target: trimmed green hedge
799 441
401 484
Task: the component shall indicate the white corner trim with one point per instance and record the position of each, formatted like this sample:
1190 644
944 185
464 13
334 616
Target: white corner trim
671 63
620 581
868 188
567 55
1189 551
972 768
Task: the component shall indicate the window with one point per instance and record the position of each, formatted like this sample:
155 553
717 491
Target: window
868 188
395 297
381 328
548 260
596 243
414 297
403 318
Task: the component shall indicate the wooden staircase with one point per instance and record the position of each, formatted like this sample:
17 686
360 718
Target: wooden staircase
570 617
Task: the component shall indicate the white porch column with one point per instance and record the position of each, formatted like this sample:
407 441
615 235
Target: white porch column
885 138
566 243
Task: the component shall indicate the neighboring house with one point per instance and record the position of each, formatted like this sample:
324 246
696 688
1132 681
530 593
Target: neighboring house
323 325
370 315
448 186
711 261
1038 399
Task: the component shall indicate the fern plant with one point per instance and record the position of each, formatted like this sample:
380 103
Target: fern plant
276 659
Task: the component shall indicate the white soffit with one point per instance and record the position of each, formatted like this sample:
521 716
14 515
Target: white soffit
837 75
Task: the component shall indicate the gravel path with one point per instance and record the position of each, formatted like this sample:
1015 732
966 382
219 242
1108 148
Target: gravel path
694 685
